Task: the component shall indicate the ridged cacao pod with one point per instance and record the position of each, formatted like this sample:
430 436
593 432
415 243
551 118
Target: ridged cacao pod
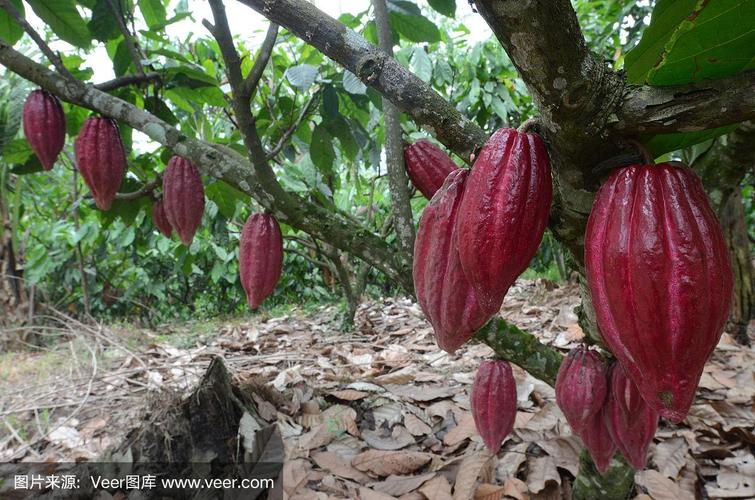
443 291
427 166
493 401
598 441
581 387
183 197
260 257
631 422
44 126
661 283
160 219
101 159
504 212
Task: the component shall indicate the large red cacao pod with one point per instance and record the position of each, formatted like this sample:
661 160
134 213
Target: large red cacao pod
160 219
101 159
427 166
493 401
630 421
260 257
183 197
44 126
598 441
504 212
443 291
661 283
581 387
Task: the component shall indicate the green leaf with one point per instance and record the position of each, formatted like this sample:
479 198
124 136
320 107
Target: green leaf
666 143
153 12
321 150
64 20
301 76
102 25
10 31
352 84
330 103
421 64
445 7
341 129
225 197
691 40
414 28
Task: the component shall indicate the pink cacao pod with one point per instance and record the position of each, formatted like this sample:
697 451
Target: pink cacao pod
659 274
444 293
504 212
598 441
493 401
581 387
260 257
101 159
160 219
427 166
183 197
631 422
44 126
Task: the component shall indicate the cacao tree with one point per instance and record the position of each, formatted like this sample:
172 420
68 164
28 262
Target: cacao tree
292 114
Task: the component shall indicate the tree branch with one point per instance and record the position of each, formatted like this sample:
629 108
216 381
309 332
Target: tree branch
220 162
398 181
46 50
376 69
127 37
125 80
293 128
260 63
145 190
687 108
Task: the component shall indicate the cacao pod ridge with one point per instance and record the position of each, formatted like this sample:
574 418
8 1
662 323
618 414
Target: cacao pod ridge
493 402
101 159
260 257
581 387
427 166
598 441
160 219
44 126
183 198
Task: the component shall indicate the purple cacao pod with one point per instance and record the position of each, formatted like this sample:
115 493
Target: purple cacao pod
260 257
101 159
631 422
493 402
661 283
581 387
504 212
427 166
160 219
183 198
44 126
598 441
444 293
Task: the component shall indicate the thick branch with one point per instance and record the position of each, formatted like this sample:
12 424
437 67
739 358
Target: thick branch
398 181
220 162
687 108
260 63
125 80
376 69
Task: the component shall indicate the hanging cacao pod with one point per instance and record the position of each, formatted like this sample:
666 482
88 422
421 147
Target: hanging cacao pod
493 402
581 387
160 219
661 283
183 197
44 126
101 159
260 257
444 293
427 166
630 421
598 441
504 212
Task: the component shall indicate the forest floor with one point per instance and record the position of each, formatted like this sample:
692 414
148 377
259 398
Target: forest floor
373 414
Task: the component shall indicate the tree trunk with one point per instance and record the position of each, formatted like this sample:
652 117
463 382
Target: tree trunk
732 217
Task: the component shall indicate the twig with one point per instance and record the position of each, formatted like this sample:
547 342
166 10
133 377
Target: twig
293 128
145 190
249 86
46 50
127 36
125 80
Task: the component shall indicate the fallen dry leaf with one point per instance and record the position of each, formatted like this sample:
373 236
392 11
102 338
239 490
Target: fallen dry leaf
542 470
415 426
472 467
670 456
465 429
401 485
658 486
437 488
385 463
335 464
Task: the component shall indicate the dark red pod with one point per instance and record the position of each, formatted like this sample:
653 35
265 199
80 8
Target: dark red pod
183 197
160 219
661 283
598 441
504 212
581 387
630 421
101 159
427 166
493 402
443 291
260 257
44 126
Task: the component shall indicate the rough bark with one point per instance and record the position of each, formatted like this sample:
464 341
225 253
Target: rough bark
733 223
398 181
